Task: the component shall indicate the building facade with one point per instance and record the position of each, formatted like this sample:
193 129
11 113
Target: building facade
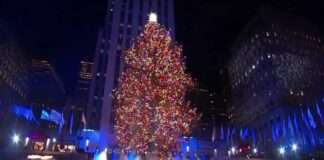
14 81
83 84
276 70
124 22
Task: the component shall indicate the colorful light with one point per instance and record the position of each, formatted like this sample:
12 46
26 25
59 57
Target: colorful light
151 110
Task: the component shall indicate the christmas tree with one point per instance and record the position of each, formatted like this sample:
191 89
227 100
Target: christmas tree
151 109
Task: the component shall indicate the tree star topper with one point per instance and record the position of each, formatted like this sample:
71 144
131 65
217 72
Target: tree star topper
152 17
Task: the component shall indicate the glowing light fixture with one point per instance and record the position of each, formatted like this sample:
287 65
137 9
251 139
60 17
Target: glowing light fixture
87 142
294 147
282 150
233 150
15 138
255 150
48 142
26 141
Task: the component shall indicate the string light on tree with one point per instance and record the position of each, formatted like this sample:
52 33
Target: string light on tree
151 110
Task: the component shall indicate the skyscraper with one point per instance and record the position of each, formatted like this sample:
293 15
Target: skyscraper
125 20
14 80
276 70
82 94
83 84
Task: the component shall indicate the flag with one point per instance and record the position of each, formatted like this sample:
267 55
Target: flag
304 119
277 130
71 122
311 120
303 138
253 137
61 123
246 133
228 133
312 139
233 133
284 128
290 126
296 124
241 133
83 120
214 134
27 113
31 116
55 116
45 115
319 112
273 133
222 133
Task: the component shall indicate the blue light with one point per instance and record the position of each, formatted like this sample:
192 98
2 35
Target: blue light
130 156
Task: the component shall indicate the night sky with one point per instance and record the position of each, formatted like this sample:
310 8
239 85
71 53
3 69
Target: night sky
65 31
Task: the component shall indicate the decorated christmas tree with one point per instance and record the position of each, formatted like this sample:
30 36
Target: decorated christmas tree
151 109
